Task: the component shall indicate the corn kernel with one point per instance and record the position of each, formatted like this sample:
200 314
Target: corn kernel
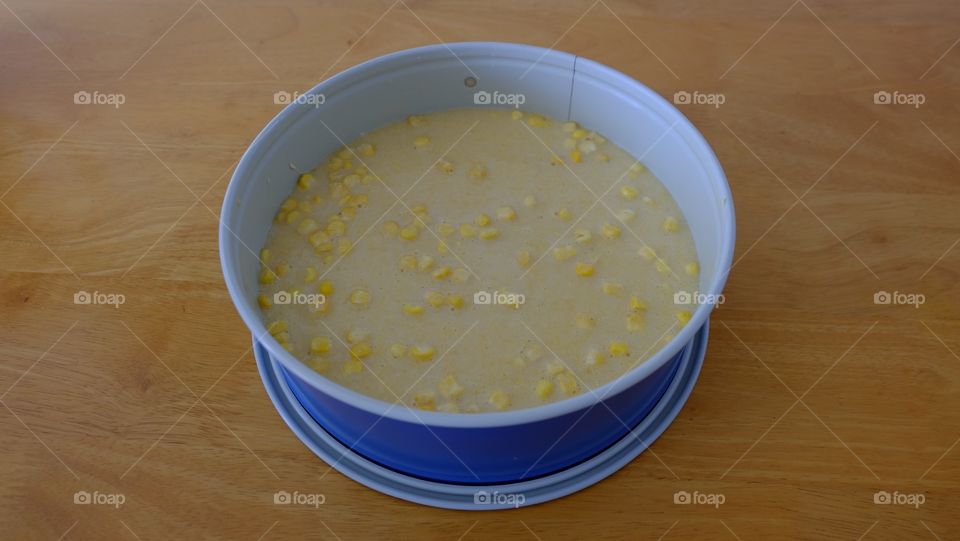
336 228
670 224
355 336
584 269
555 160
425 263
320 344
661 266
594 358
318 364
442 247
587 146
482 220
648 201
366 149
264 255
282 269
335 164
567 382
344 154
555 366
264 301
353 366
304 181
455 301
390 228
267 276
628 192
305 207
529 201
563 214
467 230
408 262
441 273
578 133
409 233
413 309
445 166
506 214
311 274
683 316
323 248
537 121
277 327
421 141
516 115
460 275
626 215
326 287
422 353
449 407
648 253
398 350
635 322
445 229
319 237
418 209
603 156
610 231
434 298
344 246
425 401
544 389
360 350
307 226
293 217
500 400
637 305
523 258
691 268
575 156
636 169
416 120
619 349
563 253
489 233
449 387
611 288
582 236
586 321
359 296
569 127
532 353
477 172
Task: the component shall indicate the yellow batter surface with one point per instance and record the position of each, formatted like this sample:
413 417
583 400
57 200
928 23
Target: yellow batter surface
477 260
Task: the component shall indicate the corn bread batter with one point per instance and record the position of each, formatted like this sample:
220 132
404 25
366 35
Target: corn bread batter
477 260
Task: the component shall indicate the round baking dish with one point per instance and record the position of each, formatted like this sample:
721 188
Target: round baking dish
481 448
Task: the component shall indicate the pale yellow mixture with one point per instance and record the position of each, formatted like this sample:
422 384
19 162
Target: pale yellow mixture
477 260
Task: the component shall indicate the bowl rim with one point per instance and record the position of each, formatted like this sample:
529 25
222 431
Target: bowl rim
398 411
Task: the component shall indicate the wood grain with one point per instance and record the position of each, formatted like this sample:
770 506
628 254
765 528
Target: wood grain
812 397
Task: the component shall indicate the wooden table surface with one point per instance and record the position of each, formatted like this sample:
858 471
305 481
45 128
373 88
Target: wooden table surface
812 400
